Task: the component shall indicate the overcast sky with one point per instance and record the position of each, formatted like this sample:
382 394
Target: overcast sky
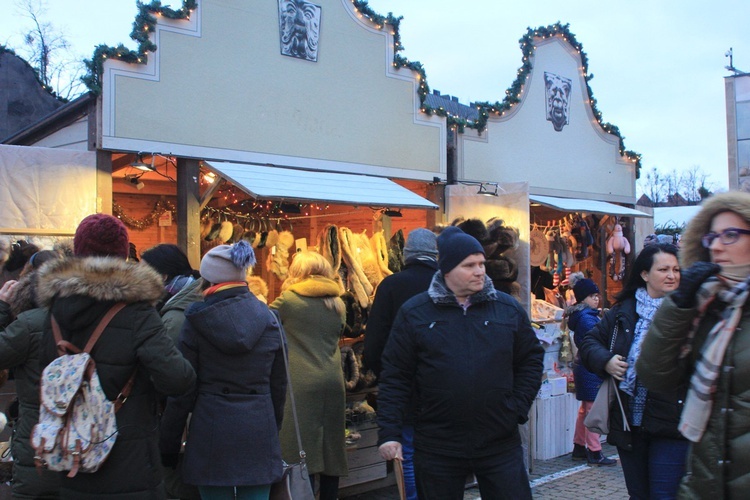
658 65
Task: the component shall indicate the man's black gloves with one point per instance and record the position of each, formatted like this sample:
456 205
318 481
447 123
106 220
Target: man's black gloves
691 280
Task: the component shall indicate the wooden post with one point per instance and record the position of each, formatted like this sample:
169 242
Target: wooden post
188 209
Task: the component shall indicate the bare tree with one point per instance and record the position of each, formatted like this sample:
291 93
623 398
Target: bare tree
662 188
49 53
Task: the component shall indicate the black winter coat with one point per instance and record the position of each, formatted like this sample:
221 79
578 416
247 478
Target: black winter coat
663 409
391 294
78 292
477 371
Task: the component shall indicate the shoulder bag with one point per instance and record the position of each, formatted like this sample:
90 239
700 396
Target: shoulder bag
598 418
295 482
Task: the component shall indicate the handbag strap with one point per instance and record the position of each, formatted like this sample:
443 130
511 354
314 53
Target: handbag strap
614 336
282 335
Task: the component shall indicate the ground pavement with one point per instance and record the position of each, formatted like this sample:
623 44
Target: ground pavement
557 478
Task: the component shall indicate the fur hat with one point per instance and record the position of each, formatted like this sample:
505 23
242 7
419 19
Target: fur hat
475 228
101 235
691 248
421 242
582 286
454 246
227 262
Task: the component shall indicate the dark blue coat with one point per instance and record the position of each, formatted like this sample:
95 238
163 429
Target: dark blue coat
233 341
580 322
476 371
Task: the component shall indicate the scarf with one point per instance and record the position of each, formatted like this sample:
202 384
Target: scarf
645 307
729 289
220 287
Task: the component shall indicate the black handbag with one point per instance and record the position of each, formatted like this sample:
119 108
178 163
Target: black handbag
295 481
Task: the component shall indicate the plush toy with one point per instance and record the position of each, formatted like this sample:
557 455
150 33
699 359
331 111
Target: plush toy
618 247
582 233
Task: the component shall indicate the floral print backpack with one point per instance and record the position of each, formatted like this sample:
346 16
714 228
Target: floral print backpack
77 427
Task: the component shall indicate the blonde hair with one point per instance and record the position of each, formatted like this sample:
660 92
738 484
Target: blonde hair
307 264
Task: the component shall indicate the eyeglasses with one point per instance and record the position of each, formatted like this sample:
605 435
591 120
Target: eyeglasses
727 236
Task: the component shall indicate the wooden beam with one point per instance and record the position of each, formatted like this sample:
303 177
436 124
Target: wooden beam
189 209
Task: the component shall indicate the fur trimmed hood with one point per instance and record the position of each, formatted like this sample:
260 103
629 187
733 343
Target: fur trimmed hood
25 294
691 249
102 278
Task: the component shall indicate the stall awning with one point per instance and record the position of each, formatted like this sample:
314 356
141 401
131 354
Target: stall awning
276 183
587 206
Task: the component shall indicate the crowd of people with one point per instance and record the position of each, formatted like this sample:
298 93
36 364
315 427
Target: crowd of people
207 413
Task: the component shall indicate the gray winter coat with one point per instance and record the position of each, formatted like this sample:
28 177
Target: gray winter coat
233 341
78 292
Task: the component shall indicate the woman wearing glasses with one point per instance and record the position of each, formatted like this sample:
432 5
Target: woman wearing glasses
699 336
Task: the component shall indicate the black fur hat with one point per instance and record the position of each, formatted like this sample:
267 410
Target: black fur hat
475 228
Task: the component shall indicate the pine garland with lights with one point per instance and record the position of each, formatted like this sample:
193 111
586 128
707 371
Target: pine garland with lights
144 23
160 207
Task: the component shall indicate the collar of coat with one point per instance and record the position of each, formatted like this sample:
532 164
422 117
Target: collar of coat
101 278
441 294
316 286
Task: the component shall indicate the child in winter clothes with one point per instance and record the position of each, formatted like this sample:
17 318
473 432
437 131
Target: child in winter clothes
582 317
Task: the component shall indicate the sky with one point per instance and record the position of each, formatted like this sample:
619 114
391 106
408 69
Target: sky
658 65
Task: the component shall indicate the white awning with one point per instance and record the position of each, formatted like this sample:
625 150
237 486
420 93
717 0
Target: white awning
276 183
587 206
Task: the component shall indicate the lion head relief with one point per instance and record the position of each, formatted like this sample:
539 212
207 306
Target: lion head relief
557 99
299 29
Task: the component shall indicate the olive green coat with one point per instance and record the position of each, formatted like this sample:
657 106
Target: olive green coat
313 332
718 465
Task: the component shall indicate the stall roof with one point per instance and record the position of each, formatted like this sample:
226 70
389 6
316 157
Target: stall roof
277 183
588 206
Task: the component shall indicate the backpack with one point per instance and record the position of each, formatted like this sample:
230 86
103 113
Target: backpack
77 427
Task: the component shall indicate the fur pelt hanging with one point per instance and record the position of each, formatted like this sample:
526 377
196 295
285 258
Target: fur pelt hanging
396 251
350 366
368 259
357 280
258 287
380 248
278 259
225 232
329 247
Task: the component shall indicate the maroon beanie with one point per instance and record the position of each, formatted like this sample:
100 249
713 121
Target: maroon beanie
101 235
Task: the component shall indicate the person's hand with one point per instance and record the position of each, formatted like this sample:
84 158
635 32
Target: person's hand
6 292
691 280
617 366
390 450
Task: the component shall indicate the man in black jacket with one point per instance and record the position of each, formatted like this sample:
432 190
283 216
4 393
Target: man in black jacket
477 367
420 259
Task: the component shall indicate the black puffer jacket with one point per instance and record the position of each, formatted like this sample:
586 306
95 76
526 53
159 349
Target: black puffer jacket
477 371
78 291
662 412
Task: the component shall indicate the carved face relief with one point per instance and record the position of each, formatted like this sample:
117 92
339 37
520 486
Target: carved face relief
558 99
299 29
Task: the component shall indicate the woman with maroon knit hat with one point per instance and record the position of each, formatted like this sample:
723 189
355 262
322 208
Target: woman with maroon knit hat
78 292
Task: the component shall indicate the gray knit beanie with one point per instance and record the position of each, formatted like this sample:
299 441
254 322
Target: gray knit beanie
225 263
421 242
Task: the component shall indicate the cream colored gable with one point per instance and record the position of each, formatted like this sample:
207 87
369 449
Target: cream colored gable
218 87
581 160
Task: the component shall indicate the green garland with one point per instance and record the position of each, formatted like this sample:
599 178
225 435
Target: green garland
160 207
144 23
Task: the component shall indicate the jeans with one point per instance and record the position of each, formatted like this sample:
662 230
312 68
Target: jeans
500 476
655 466
407 450
235 493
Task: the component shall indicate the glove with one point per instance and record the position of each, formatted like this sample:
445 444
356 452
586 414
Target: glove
691 280
170 460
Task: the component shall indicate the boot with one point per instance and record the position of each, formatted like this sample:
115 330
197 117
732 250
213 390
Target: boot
579 452
596 458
